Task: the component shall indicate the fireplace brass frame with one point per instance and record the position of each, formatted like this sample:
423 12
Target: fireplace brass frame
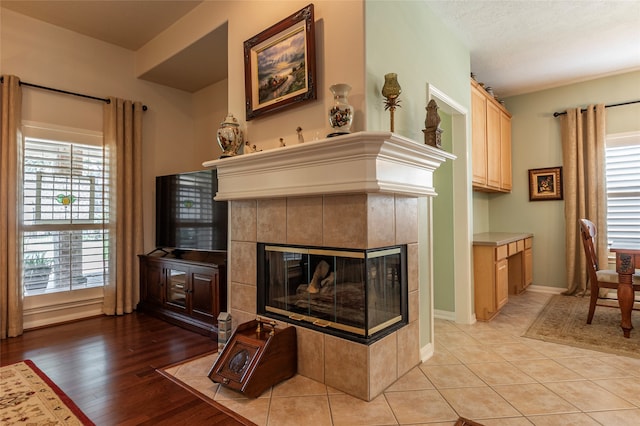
360 334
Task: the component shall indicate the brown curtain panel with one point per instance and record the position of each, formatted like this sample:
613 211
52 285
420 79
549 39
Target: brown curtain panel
583 156
123 145
11 323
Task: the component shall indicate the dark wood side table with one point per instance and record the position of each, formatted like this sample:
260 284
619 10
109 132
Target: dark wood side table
627 259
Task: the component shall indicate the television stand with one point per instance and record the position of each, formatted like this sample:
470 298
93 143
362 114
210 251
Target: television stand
189 292
158 249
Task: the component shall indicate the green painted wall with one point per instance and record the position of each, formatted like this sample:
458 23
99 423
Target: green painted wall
443 252
405 37
536 143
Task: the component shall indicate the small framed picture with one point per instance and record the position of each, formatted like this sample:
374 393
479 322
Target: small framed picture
545 184
280 65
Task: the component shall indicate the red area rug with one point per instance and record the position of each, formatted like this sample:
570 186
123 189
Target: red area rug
30 397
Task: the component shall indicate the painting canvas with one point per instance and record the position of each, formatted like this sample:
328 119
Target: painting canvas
280 65
281 68
545 184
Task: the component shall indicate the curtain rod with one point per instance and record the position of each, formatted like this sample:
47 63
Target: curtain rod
556 114
66 92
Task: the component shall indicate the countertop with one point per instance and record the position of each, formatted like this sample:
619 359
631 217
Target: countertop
498 238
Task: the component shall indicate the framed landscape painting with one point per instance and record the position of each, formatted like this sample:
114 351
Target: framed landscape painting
545 184
280 65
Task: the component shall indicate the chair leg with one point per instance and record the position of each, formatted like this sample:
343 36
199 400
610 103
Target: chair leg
592 302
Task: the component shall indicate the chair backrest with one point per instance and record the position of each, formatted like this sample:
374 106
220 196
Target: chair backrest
588 233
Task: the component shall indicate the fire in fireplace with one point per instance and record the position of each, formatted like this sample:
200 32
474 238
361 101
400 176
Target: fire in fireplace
360 295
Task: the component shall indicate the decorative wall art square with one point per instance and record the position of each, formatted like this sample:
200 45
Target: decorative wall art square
545 184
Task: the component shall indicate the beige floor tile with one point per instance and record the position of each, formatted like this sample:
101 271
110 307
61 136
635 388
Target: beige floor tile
172 370
203 385
478 403
226 393
499 373
197 367
588 396
547 370
442 357
516 351
451 423
618 418
509 421
299 386
604 386
415 379
555 350
630 365
349 411
452 340
451 376
512 329
443 326
293 411
533 399
627 388
333 391
256 410
425 406
491 337
475 327
476 353
573 419
593 368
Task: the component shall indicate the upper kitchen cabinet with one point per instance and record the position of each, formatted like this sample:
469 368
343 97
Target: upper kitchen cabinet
491 142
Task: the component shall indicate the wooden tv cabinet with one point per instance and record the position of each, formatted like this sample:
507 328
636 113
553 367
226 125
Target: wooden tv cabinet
189 292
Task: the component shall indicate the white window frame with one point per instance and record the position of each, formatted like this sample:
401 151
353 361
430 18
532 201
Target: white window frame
621 140
50 308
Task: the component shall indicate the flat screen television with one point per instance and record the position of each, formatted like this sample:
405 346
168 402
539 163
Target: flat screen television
187 216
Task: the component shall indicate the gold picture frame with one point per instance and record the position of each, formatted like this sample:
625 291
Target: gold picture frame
280 65
545 184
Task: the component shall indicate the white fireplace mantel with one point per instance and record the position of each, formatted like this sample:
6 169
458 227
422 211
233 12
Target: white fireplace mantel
362 162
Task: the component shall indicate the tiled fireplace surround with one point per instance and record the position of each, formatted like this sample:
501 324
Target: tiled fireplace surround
357 191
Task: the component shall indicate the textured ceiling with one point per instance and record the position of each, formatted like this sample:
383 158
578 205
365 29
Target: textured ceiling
516 46
524 46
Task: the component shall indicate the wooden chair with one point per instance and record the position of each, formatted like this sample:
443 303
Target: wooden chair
599 278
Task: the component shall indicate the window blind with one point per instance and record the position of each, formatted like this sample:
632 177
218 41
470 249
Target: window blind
623 191
65 205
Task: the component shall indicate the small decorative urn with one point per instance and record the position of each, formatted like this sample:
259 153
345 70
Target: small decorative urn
341 113
230 136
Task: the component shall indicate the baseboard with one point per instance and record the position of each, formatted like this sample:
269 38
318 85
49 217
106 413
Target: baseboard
61 313
545 289
444 315
426 352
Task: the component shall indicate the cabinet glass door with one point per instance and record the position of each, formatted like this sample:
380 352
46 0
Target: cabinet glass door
177 287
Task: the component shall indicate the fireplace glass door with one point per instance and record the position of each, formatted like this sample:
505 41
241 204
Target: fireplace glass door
358 292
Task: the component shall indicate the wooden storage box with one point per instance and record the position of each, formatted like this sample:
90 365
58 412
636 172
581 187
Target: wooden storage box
256 357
